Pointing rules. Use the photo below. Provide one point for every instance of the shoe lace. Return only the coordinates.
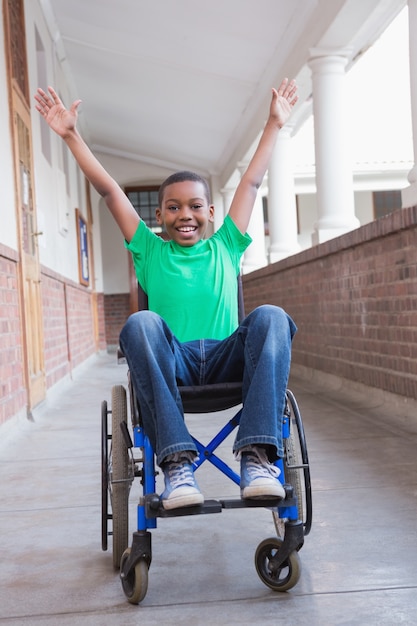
(258, 466)
(179, 474)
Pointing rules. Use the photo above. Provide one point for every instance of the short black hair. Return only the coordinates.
(180, 177)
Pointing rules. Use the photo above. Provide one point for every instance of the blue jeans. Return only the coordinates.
(257, 353)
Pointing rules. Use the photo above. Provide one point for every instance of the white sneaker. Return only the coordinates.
(259, 477)
(181, 488)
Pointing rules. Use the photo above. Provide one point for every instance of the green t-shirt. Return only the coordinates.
(194, 289)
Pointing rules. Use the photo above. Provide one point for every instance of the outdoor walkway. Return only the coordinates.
(359, 563)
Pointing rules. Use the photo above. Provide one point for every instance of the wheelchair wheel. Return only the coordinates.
(104, 475)
(297, 469)
(135, 585)
(119, 473)
(281, 578)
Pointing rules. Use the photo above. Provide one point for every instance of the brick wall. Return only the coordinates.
(69, 335)
(69, 329)
(12, 384)
(116, 312)
(57, 350)
(80, 322)
(102, 344)
(354, 300)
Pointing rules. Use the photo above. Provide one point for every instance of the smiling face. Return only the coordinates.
(185, 212)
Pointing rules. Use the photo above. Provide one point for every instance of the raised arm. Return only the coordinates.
(63, 122)
(283, 100)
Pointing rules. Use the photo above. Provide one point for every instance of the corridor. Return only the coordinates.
(359, 563)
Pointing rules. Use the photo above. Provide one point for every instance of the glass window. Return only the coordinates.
(385, 202)
(145, 201)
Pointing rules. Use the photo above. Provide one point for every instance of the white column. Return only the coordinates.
(282, 209)
(227, 195)
(409, 194)
(334, 178)
(255, 255)
(218, 202)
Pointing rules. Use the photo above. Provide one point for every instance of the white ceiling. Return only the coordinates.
(185, 84)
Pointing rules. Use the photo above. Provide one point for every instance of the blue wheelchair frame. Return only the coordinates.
(276, 559)
(146, 519)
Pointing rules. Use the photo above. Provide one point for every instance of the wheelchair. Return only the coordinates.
(126, 454)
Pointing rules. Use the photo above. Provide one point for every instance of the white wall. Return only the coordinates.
(364, 209)
(59, 187)
(97, 244)
(307, 217)
(114, 255)
(8, 227)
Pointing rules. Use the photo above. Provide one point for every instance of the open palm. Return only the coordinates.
(60, 119)
(283, 101)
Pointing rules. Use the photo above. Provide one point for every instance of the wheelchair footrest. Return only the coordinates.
(155, 509)
(209, 506)
(266, 503)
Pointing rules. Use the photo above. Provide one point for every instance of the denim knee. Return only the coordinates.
(269, 316)
(143, 324)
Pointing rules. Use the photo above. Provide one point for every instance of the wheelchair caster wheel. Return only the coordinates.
(278, 578)
(135, 584)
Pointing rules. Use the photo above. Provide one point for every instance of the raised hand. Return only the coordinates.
(60, 119)
(283, 100)
(63, 122)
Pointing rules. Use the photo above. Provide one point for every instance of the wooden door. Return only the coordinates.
(30, 268)
(31, 309)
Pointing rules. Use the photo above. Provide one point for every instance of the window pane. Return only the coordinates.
(385, 202)
(145, 201)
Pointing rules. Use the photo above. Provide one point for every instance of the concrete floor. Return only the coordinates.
(359, 563)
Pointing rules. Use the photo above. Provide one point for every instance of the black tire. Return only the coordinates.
(119, 488)
(104, 475)
(297, 455)
(278, 579)
(135, 585)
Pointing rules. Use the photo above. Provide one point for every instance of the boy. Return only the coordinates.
(190, 334)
